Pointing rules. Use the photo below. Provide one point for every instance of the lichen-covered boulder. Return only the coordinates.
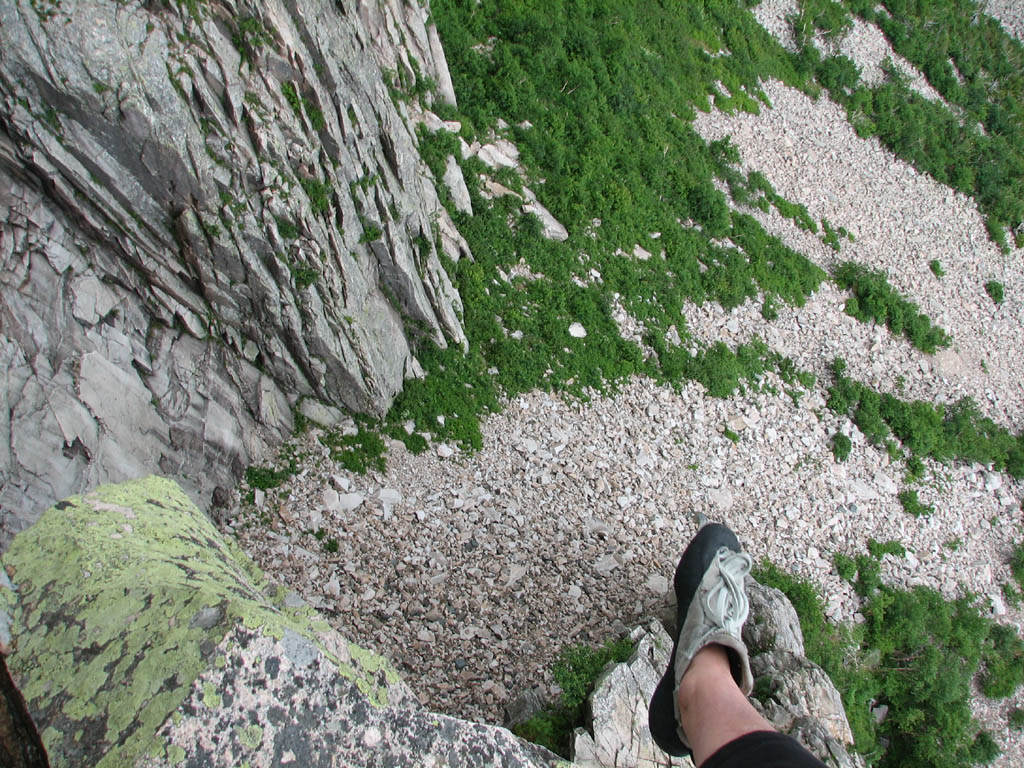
(140, 636)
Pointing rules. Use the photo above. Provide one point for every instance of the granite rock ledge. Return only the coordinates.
(141, 637)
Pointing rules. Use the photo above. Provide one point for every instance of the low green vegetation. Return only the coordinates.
(266, 477)
(319, 193)
(994, 289)
(841, 446)
(575, 671)
(330, 543)
(250, 36)
(936, 267)
(941, 432)
(1016, 719)
(300, 104)
(874, 300)
(357, 452)
(975, 141)
(304, 276)
(912, 505)
(916, 654)
(286, 228)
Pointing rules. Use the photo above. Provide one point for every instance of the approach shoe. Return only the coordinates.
(712, 606)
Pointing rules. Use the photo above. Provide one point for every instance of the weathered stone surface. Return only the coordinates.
(800, 699)
(456, 183)
(620, 735)
(794, 693)
(773, 624)
(142, 637)
(212, 220)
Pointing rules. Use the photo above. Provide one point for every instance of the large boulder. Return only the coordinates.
(208, 211)
(140, 636)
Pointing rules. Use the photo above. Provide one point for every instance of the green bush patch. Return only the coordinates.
(994, 289)
(941, 432)
(874, 300)
(912, 505)
(916, 653)
(841, 446)
(575, 671)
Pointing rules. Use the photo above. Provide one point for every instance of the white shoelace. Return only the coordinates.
(726, 602)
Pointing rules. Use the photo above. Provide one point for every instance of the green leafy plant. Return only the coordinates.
(319, 193)
(300, 104)
(304, 276)
(917, 653)
(575, 671)
(912, 505)
(841, 446)
(891, 547)
(1016, 719)
(876, 301)
(286, 229)
(250, 36)
(359, 452)
(936, 268)
(941, 432)
(994, 289)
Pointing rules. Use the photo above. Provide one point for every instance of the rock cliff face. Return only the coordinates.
(210, 210)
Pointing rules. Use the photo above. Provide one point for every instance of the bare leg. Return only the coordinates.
(712, 708)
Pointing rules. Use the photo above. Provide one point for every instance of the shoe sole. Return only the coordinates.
(661, 713)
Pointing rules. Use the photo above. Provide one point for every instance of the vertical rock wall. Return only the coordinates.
(208, 210)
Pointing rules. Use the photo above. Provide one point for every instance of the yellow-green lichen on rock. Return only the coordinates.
(121, 599)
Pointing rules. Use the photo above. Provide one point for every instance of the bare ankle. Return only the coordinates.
(710, 667)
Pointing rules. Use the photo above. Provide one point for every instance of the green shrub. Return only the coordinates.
(359, 452)
(956, 431)
(300, 103)
(249, 37)
(974, 65)
(911, 504)
(319, 193)
(874, 300)
(266, 477)
(575, 671)
(1017, 564)
(286, 229)
(1016, 718)
(917, 653)
(846, 567)
(994, 289)
(936, 268)
(304, 276)
(841, 446)
(879, 548)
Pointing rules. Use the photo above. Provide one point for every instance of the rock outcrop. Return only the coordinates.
(800, 700)
(210, 210)
(140, 636)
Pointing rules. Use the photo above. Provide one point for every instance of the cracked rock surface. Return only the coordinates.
(206, 216)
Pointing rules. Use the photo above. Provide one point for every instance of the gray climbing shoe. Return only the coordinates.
(712, 606)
